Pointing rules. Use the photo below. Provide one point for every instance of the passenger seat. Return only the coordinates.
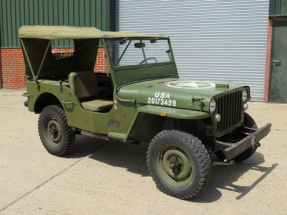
(85, 86)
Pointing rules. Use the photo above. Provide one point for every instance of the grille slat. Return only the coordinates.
(222, 110)
(234, 107)
(229, 107)
(229, 110)
(226, 112)
(239, 106)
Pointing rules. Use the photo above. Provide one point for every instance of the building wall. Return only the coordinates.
(16, 13)
(12, 67)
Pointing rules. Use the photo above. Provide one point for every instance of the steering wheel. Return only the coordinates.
(149, 59)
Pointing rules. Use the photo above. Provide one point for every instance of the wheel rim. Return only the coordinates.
(174, 165)
(52, 131)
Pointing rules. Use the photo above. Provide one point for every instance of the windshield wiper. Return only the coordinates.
(123, 53)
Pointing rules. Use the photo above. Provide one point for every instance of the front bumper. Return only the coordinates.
(231, 150)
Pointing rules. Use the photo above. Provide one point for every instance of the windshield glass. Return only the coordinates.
(129, 52)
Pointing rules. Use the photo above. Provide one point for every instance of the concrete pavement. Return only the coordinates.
(112, 178)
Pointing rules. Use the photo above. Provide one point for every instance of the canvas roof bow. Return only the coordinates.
(71, 32)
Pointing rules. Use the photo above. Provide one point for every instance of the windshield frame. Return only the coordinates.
(143, 65)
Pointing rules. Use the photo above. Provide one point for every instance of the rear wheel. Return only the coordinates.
(57, 137)
(250, 123)
(179, 163)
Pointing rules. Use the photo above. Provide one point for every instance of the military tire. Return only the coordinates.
(250, 123)
(178, 163)
(57, 137)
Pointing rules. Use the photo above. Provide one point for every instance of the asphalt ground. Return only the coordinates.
(99, 177)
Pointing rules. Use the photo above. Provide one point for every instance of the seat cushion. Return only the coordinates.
(97, 105)
(84, 84)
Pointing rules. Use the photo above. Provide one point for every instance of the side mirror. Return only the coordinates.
(139, 45)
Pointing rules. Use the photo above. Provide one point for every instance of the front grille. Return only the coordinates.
(230, 109)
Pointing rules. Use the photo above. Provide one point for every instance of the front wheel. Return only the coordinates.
(178, 163)
(56, 135)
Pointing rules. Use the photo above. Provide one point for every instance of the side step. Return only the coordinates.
(112, 136)
(116, 135)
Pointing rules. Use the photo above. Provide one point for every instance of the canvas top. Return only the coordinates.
(72, 32)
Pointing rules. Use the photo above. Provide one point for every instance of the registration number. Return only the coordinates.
(161, 99)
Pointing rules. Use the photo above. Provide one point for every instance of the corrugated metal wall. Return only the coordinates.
(223, 41)
(15, 13)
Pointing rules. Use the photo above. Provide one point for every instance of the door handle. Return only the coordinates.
(276, 63)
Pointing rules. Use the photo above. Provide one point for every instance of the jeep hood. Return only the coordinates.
(174, 92)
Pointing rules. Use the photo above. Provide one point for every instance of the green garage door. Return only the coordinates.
(278, 77)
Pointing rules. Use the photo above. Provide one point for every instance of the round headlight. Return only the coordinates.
(244, 95)
(212, 105)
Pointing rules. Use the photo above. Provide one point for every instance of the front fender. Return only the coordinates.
(173, 112)
(170, 112)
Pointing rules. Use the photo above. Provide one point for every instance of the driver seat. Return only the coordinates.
(85, 87)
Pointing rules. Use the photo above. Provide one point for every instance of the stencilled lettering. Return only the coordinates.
(161, 99)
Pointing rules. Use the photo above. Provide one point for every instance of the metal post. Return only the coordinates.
(143, 52)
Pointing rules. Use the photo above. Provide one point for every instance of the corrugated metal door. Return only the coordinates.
(223, 41)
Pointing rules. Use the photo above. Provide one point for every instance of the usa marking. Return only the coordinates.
(161, 99)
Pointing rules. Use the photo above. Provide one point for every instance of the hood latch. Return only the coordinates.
(193, 99)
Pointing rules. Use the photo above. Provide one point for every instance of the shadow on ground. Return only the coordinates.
(85, 145)
(133, 159)
(129, 156)
(224, 176)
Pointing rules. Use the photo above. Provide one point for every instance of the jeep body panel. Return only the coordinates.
(114, 121)
(173, 112)
(175, 93)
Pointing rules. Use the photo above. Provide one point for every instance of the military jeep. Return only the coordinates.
(140, 99)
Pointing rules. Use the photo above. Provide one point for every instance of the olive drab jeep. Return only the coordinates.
(140, 99)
